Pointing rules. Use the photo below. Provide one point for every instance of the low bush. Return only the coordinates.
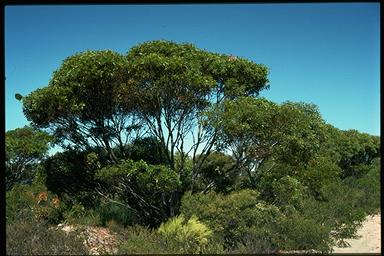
(33, 201)
(236, 217)
(114, 212)
(189, 236)
(72, 172)
(300, 233)
(288, 191)
(149, 190)
(337, 210)
(78, 214)
(34, 237)
(141, 240)
(369, 184)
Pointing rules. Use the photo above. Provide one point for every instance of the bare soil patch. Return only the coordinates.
(369, 240)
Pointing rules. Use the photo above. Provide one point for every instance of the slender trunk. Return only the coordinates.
(111, 155)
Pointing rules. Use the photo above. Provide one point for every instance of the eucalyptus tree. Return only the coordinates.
(103, 99)
(351, 150)
(81, 105)
(261, 134)
(174, 83)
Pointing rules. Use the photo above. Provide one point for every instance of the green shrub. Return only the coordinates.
(72, 172)
(369, 184)
(338, 210)
(288, 191)
(118, 213)
(231, 217)
(300, 233)
(20, 201)
(190, 236)
(78, 214)
(148, 149)
(141, 240)
(216, 173)
(34, 237)
(150, 190)
(33, 201)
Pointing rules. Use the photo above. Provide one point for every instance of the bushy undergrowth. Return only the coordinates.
(298, 232)
(236, 218)
(285, 212)
(369, 185)
(238, 222)
(33, 202)
(190, 236)
(78, 214)
(32, 237)
(174, 237)
(116, 213)
(338, 210)
(246, 224)
(72, 173)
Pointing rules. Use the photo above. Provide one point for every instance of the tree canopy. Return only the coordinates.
(23, 148)
(174, 83)
(161, 87)
(81, 104)
(256, 130)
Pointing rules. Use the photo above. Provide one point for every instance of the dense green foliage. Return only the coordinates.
(24, 148)
(148, 190)
(82, 105)
(158, 243)
(235, 217)
(192, 235)
(71, 175)
(216, 173)
(170, 147)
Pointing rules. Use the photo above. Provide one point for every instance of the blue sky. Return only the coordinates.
(326, 54)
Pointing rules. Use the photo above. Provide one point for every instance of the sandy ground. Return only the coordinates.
(370, 238)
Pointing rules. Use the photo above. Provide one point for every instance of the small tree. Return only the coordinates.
(260, 133)
(147, 190)
(24, 148)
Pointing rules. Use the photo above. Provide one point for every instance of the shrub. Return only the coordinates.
(24, 149)
(78, 214)
(338, 210)
(114, 212)
(33, 201)
(148, 149)
(299, 233)
(34, 237)
(288, 191)
(369, 185)
(189, 236)
(72, 172)
(20, 201)
(231, 217)
(216, 173)
(150, 190)
(141, 240)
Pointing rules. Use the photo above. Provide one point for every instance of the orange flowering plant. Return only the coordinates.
(47, 206)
